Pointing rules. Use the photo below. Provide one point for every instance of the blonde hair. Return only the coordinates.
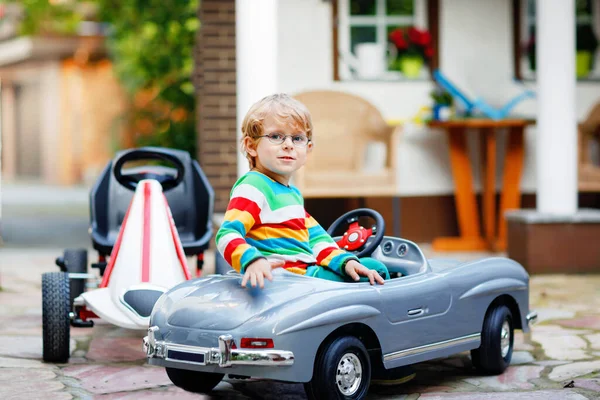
(279, 105)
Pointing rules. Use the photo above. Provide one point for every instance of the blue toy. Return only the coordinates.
(479, 104)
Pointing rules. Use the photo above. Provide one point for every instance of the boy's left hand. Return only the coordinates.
(353, 269)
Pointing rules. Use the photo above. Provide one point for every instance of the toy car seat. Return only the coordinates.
(190, 197)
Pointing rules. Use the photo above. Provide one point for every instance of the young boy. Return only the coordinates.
(266, 225)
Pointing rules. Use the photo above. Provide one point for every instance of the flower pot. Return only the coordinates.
(441, 112)
(411, 66)
(583, 63)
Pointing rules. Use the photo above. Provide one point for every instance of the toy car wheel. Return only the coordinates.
(76, 262)
(342, 371)
(497, 337)
(55, 317)
(194, 381)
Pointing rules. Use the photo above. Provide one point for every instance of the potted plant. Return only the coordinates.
(442, 104)
(585, 45)
(411, 49)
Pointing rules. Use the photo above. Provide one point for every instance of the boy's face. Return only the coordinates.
(279, 161)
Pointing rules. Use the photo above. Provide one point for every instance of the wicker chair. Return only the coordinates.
(350, 138)
(588, 135)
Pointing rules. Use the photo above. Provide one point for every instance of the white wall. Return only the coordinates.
(475, 52)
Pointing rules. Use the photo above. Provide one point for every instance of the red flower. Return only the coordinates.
(414, 35)
(425, 38)
(397, 37)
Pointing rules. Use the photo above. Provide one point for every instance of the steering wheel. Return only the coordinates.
(356, 236)
(130, 181)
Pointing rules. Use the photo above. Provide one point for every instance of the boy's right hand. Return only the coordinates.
(259, 270)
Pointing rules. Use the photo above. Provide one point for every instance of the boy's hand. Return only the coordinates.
(259, 270)
(353, 269)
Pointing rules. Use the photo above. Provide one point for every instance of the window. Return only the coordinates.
(385, 39)
(587, 63)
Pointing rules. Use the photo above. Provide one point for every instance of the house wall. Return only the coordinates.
(215, 80)
(475, 52)
(60, 120)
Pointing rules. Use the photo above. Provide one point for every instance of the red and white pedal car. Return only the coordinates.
(145, 221)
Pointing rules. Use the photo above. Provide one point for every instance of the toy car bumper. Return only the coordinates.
(532, 318)
(224, 356)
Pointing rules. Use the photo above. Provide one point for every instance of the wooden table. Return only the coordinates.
(471, 236)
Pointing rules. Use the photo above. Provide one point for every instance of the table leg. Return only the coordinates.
(466, 204)
(511, 183)
(488, 153)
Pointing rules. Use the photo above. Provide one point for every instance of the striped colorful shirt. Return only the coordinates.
(266, 219)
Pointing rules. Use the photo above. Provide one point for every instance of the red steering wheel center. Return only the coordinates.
(355, 237)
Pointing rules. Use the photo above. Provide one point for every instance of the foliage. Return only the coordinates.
(47, 17)
(441, 97)
(151, 43)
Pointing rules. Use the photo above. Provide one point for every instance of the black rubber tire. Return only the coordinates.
(56, 330)
(323, 384)
(487, 359)
(194, 381)
(76, 261)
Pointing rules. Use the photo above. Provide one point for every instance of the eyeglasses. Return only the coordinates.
(278, 138)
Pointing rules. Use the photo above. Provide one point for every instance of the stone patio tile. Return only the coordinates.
(561, 346)
(43, 390)
(7, 362)
(513, 378)
(594, 340)
(101, 379)
(23, 347)
(25, 375)
(115, 349)
(550, 363)
(523, 342)
(30, 383)
(556, 330)
(521, 357)
(538, 395)
(572, 370)
(589, 384)
(585, 322)
(548, 314)
(169, 393)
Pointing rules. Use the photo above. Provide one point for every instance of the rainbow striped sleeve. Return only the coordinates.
(325, 250)
(243, 212)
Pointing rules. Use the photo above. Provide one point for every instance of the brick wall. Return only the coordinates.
(215, 81)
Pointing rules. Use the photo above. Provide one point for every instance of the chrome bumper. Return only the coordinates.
(223, 356)
(532, 318)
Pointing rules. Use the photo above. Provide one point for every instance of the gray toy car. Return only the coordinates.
(334, 336)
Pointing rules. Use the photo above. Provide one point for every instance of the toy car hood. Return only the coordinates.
(221, 303)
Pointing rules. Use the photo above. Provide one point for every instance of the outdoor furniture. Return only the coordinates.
(589, 163)
(471, 237)
(354, 153)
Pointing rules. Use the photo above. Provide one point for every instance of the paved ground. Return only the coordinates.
(107, 362)
(559, 360)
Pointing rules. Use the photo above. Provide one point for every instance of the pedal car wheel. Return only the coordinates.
(76, 262)
(342, 371)
(55, 317)
(194, 381)
(497, 337)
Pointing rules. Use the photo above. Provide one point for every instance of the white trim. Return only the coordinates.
(380, 21)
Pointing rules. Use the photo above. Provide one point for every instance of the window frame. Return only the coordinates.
(517, 32)
(433, 19)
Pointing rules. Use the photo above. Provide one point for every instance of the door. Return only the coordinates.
(417, 308)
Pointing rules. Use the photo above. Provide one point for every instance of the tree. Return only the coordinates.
(151, 45)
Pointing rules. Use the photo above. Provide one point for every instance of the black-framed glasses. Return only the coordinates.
(299, 139)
